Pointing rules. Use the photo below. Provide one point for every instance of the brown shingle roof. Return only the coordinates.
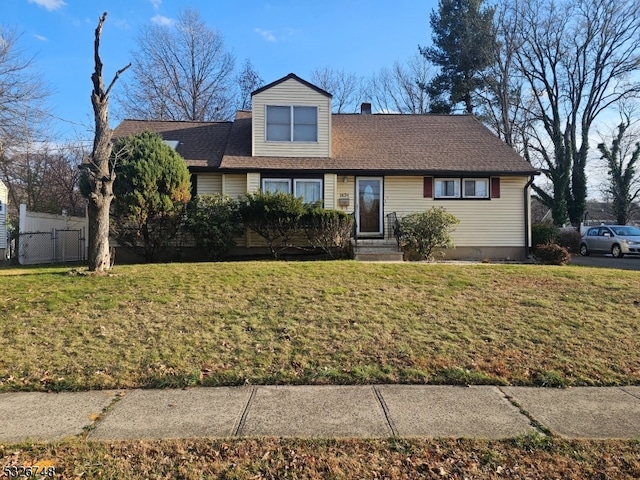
(201, 144)
(455, 144)
(393, 143)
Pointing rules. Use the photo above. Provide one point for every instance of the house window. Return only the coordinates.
(309, 189)
(292, 124)
(276, 185)
(447, 188)
(475, 188)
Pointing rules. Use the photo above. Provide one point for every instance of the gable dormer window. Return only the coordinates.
(291, 124)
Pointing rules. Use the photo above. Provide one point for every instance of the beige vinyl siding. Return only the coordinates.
(291, 92)
(346, 190)
(330, 186)
(496, 222)
(253, 182)
(209, 183)
(234, 184)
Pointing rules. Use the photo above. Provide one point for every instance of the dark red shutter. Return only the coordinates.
(427, 190)
(495, 187)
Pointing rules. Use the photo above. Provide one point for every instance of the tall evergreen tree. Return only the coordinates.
(463, 38)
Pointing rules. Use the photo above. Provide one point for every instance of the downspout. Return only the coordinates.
(527, 252)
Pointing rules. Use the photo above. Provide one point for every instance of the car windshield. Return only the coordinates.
(626, 231)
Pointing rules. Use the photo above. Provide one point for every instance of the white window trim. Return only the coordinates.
(487, 186)
(291, 124)
(435, 192)
(264, 180)
(317, 180)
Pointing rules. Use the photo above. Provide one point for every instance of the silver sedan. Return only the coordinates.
(618, 240)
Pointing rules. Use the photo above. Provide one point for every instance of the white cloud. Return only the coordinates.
(40, 37)
(156, 3)
(49, 4)
(160, 20)
(266, 34)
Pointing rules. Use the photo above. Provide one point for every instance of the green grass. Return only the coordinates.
(318, 323)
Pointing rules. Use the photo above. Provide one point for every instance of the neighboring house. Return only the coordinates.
(371, 165)
(4, 199)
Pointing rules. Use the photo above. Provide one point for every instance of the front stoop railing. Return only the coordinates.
(385, 248)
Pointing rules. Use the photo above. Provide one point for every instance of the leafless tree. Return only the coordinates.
(620, 151)
(578, 58)
(248, 80)
(44, 176)
(180, 72)
(346, 88)
(22, 92)
(403, 88)
(99, 172)
(506, 103)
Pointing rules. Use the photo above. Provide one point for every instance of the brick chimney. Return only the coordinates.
(365, 108)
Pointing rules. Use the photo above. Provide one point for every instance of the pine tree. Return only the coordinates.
(463, 37)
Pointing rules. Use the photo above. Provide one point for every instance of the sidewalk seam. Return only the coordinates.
(245, 412)
(385, 410)
(88, 429)
(628, 393)
(535, 423)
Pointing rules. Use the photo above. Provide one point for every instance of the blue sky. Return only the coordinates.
(279, 36)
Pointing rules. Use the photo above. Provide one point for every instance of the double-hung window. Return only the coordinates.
(447, 188)
(291, 124)
(276, 185)
(475, 188)
(309, 189)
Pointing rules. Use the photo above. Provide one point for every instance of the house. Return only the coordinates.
(376, 166)
(4, 199)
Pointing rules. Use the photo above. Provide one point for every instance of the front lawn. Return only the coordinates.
(318, 323)
(529, 457)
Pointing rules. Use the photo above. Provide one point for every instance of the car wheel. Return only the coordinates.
(616, 252)
(584, 251)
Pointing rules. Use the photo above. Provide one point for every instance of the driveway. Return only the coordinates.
(607, 261)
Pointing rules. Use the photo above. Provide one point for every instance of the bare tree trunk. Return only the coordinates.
(101, 172)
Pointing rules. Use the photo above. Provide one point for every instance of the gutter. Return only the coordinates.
(527, 252)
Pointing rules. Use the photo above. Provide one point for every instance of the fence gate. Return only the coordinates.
(56, 246)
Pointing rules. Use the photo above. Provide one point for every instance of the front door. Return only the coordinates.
(369, 206)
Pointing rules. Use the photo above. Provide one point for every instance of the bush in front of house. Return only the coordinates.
(543, 233)
(570, 239)
(329, 230)
(276, 217)
(428, 231)
(214, 222)
(151, 189)
(552, 254)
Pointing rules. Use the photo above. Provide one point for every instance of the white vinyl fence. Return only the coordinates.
(49, 238)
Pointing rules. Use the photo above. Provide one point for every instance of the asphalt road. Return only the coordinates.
(607, 261)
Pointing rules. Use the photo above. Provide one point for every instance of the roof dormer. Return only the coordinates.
(291, 118)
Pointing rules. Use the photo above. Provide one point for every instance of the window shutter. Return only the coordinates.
(495, 187)
(194, 185)
(427, 189)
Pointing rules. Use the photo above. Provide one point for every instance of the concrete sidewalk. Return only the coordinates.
(322, 411)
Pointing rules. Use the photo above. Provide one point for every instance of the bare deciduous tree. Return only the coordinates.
(403, 88)
(180, 72)
(578, 58)
(621, 158)
(44, 176)
(248, 80)
(346, 88)
(505, 103)
(22, 92)
(99, 173)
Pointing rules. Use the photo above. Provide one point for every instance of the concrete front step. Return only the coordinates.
(379, 256)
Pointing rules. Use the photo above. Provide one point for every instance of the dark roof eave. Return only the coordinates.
(389, 172)
(294, 77)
